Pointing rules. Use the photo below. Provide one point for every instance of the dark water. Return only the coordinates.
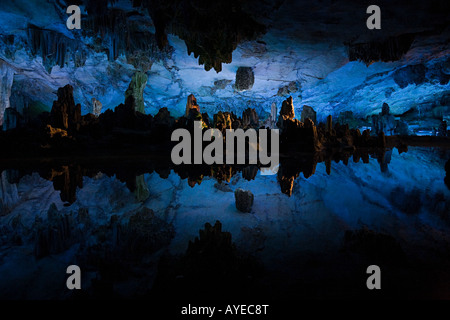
(313, 230)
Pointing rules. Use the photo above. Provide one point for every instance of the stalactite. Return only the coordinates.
(6, 81)
(391, 49)
(54, 47)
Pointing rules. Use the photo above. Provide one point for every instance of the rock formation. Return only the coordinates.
(223, 121)
(308, 113)
(442, 130)
(447, 174)
(244, 200)
(6, 81)
(136, 89)
(287, 112)
(10, 119)
(244, 78)
(96, 107)
(412, 74)
(288, 89)
(383, 122)
(250, 119)
(9, 195)
(65, 114)
(191, 104)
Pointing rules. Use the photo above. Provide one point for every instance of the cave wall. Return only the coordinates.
(331, 76)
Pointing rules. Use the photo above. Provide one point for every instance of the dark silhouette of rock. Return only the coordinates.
(384, 121)
(442, 130)
(144, 234)
(390, 49)
(65, 114)
(447, 173)
(53, 235)
(412, 74)
(373, 245)
(250, 118)
(329, 124)
(11, 119)
(244, 200)
(308, 113)
(163, 118)
(244, 78)
(401, 128)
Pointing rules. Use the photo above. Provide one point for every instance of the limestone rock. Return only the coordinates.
(308, 113)
(191, 104)
(221, 84)
(287, 112)
(384, 121)
(223, 120)
(288, 89)
(401, 128)
(412, 74)
(136, 89)
(244, 78)
(442, 130)
(10, 119)
(250, 118)
(329, 123)
(163, 118)
(96, 107)
(65, 114)
(244, 200)
(6, 81)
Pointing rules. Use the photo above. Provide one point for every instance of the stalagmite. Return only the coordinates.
(136, 89)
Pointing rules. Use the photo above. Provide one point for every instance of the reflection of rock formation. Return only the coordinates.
(142, 193)
(66, 179)
(376, 246)
(390, 49)
(244, 200)
(211, 259)
(54, 235)
(8, 194)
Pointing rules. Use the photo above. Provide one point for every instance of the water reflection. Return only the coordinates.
(67, 174)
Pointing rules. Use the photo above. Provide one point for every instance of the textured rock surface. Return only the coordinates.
(136, 90)
(308, 113)
(245, 78)
(65, 114)
(244, 200)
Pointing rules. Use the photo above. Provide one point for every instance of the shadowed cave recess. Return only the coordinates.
(86, 118)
